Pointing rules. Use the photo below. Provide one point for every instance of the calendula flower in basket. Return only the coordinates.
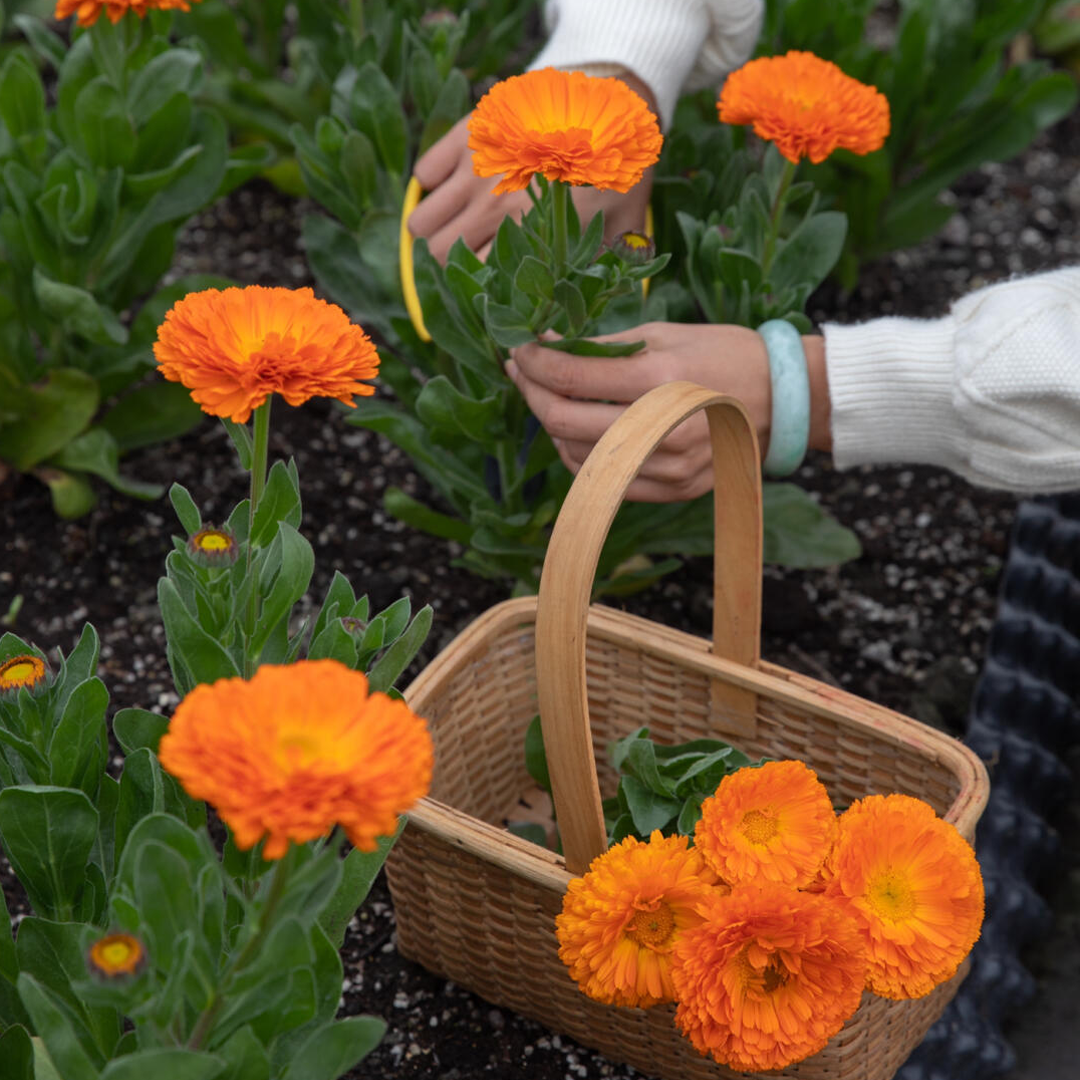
(804, 913)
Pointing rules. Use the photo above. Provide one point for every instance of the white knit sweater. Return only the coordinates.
(991, 391)
(671, 45)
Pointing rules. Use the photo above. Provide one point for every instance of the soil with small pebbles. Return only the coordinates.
(904, 625)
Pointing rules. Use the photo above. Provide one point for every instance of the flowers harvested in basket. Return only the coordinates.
(89, 11)
(806, 106)
(768, 976)
(797, 913)
(233, 348)
(914, 886)
(621, 921)
(566, 126)
(297, 749)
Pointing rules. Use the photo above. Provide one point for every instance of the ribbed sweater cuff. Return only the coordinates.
(657, 42)
(892, 403)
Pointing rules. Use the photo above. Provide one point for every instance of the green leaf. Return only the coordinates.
(377, 112)
(588, 347)
(450, 106)
(186, 510)
(175, 71)
(359, 871)
(534, 279)
(17, 1055)
(798, 533)
(648, 809)
(245, 1057)
(397, 658)
(47, 834)
(78, 735)
(50, 414)
(72, 495)
(442, 407)
(200, 655)
(174, 1064)
(809, 255)
(536, 756)
(505, 325)
(568, 296)
(50, 1022)
(95, 451)
(45, 43)
(331, 1051)
(280, 503)
(77, 311)
(104, 124)
(151, 414)
(297, 562)
(405, 508)
(22, 97)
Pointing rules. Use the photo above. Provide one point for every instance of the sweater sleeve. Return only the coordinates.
(991, 391)
(671, 45)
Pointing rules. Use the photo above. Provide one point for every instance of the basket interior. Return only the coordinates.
(480, 701)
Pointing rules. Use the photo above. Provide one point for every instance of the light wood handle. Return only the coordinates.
(570, 567)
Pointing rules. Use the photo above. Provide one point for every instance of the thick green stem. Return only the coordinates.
(559, 195)
(281, 874)
(259, 453)
(356, 19)
(774, 219)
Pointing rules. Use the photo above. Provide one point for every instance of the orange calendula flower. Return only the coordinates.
(89, 11)
(566, 126)
(233, 348)
(620, 922)
(805, 105)
(768, 976)
(23, 670)
(115, 956)
(296, 750)
(914, 885)
(770, 823)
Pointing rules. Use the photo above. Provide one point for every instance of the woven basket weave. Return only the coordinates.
(477, 905)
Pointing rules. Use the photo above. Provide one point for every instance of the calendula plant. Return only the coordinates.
(958, 100)
(148, 947)
(94, 184)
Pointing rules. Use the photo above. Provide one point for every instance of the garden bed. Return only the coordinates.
(905, 625)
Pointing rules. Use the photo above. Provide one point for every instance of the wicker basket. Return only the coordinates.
(477, 905)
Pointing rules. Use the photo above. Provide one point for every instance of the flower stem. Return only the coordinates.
(356, 18)
(558, 226)
(281, 873)
(774, 219)
(259, 453)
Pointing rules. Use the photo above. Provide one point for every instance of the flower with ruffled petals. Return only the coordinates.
(805, 105)
(233, 348)
(566, 126)
(620, 922)
(768, 976)
(89, 11)
(769, 823)
(296, 750)
(912, 882)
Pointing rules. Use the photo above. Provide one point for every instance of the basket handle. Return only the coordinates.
(570, 567)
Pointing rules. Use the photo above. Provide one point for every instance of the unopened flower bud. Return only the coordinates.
(635, 248)
(213, 547)
(116, 956)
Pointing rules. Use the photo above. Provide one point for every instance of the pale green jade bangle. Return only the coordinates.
(790, 429)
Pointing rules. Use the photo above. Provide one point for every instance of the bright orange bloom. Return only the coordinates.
(565, 125)
(768, 976)
(296, 750)
(23, 670)
(233, 348)
(90, 10)
(805, 105)
(912, 882)
(620, 922)
(770, 823)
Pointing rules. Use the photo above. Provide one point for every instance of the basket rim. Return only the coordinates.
(533, 863)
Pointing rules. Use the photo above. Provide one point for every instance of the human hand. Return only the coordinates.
(460, 203)
(577, 398)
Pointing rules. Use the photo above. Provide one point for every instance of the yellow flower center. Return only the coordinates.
(117, 954)
(759, 827)
(772, 977)
(652, 925)
(891, 896)
(635, 240)
(21, 671)
(212, 540)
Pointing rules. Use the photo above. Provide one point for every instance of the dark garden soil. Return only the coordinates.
(904, 625)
